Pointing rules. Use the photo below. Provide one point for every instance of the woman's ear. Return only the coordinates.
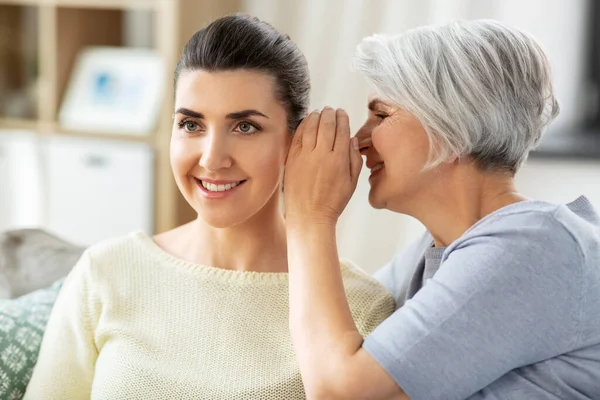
(288, 145)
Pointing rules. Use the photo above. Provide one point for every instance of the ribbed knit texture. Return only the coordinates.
(134, 322)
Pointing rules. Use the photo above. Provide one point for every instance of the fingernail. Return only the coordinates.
(354, 142)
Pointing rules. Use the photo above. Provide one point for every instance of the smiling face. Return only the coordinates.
(228, 144)
(397, 148)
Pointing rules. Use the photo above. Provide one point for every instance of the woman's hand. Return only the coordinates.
(322, 169)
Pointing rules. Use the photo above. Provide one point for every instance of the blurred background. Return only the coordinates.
(86, 104)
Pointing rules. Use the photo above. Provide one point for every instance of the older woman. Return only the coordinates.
(504, 298)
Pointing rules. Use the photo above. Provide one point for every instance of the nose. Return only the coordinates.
(364, 138)
(215, 152)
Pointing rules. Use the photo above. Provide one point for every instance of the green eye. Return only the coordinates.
(191, 126)
(246, 128)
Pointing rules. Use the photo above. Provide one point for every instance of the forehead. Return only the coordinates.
(237, 89)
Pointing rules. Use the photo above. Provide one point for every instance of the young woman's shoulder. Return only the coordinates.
(370, 302)
(111, 257)
(117, 248)
(357, 279)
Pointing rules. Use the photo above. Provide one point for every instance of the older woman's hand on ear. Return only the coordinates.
(321, 174)
(322, 169)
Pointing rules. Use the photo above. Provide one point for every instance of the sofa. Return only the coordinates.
(33, 264)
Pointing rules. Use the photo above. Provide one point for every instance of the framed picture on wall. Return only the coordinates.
(114, 90)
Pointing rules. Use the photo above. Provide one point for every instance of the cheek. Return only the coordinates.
(181, 156)
(267, 160)
(398, 146)
(386, 143)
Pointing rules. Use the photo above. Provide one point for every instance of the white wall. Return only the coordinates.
(561, 28)
(560, 181)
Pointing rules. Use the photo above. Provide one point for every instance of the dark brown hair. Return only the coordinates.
(239, 41)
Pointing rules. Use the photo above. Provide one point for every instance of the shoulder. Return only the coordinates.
(525, 250)
(534, 229)
(396, 274)
(370, 302)
(116, 246)
(358, 282)
(111, 256)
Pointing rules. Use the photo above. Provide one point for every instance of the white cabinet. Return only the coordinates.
(5, 203)
(97, 189)
(21, 185)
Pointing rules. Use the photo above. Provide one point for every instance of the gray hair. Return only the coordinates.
(480, 88)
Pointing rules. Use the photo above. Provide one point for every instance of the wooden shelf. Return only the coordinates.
(57, 130)
(18, 124)
(19, 49)
(20, 2)
(64, 28)
(95, 28)
(93, 4)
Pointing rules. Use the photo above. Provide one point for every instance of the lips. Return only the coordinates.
(219, 187)
(212, 189)
(376, 170)
(377, 167)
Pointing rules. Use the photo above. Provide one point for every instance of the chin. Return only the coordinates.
(218, 221)
(376, 202)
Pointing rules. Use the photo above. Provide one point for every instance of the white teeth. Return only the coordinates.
(377, 167)
(218, 188)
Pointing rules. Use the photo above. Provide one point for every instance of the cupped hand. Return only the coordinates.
(322, 169)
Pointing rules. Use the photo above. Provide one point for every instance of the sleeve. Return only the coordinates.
(65, 366)
(396, 274)
(498, 302)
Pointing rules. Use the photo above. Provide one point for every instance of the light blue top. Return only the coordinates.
(510, 310)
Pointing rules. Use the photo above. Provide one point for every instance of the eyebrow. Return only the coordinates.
(233, 115)
(374, 103)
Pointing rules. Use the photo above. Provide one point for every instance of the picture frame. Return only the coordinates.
(114, 90)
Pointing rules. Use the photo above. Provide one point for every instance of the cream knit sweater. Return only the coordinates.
(134, 322)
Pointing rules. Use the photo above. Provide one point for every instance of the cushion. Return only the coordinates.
(32, 259)
(22, 324)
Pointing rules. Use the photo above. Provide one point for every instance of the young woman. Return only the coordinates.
(202, 311)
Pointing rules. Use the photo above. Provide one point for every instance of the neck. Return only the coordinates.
(460, 197)
(258, 244)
